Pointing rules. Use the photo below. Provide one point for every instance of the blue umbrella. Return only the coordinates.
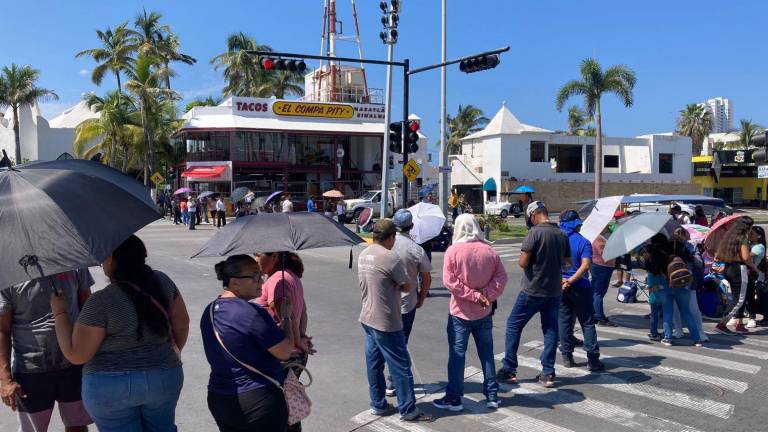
(425, 190)
(524, 189)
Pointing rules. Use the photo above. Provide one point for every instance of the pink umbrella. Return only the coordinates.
(182, 191)
(333, 194)
(698, 233)
(718, 230)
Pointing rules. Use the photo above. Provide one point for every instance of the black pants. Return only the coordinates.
(176, 216)
(221, 218)
(263, 409)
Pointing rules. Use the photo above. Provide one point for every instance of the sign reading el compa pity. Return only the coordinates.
(260, 107)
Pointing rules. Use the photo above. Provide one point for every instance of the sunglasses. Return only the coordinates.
(256, 277)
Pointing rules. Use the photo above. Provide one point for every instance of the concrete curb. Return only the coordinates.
(508, 241)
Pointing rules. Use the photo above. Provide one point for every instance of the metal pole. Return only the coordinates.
(405, 130)
(443, 176)
(385, 144)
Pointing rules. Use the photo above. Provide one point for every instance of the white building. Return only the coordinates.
(510, 150)
(42, 139)
(721, 110)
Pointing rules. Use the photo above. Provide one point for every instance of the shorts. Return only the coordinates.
(43, 390)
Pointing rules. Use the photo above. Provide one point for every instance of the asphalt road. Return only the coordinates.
(719, 387)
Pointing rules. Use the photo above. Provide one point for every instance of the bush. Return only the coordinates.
(503, 226)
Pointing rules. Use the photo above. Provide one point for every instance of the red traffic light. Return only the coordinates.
(413, 126)
(267, 63)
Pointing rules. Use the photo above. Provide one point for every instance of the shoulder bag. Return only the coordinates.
(299, 404)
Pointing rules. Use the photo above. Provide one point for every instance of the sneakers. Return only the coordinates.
(577, 342)
(595, 365)
(506, 377)
(492, 404)
(606, 323)
(722, 329)
(751, 323)
(666, 342)
(449, 404)
(733, 322)
(654, 337)
(568, 360)
(547, 381)
(389, 410)
(740, 328)
(390, 392)
(698, 343)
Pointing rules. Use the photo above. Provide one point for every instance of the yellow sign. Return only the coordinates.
(310, 109)
(157, 178)
(411, 170)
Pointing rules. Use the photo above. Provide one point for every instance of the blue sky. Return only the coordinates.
(682, 51)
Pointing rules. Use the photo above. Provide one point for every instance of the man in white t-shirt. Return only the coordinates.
(192, 209)
(287, 204)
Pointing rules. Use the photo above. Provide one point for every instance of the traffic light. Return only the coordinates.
(395, 137)
(412, 136)
(476, 64)
(276, 64)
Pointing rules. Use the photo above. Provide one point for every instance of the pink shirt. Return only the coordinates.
(471, 269)
(273, 290)
(598, 246)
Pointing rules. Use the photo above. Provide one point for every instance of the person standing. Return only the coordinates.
(39, 375)
(602, 271)
(577, 298)
(418, 268)
(544, 252)
(192, 209)
(453, 204)
(221, 213)
(677, 214)
(475, 277)
(383, 278)
(699, 218)
(340, 212)
(204, 205)
(176, 211)
(184, 210)
(212, 209)
(735, 252)
(129, 336)
(287, 204)
(311, 205)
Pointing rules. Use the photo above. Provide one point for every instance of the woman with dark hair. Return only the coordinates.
(129, 336)
(699, 218)
(735, 252)
(757, 254)
(237, 332)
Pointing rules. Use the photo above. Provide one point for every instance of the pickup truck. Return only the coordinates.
(503, 209)
(371, 200)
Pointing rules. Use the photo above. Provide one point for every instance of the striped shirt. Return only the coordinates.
(112, 310)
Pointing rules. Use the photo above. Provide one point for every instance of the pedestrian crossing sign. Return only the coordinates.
(411, 170)
(157, 178)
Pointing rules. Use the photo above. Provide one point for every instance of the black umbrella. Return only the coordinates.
(278, 232)
(65, 214)
(239, 194)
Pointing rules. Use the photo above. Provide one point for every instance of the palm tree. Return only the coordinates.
(116, 114)
(593, 84)
(145, 84)
(156, 40)
(114, 55)
(695, 122)
(469, 119)
(577, 119)
(242, 72)
(18, 89)
(749, 131)
(283, 83)
(209, 101)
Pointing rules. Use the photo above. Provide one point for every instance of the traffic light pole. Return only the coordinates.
(385, 143)
(405, 127)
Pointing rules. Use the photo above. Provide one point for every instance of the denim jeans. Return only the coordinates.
(408, 319)
(657, 313)
(389, 347)
(458, 338)
(526, 306)
(693, 308)
(679, 297)
(192, 220)
(133, 401)
(601, 279)
(577, 300)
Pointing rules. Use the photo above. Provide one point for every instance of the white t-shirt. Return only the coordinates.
(192, 206)
(339, 209)
(220, 205)
(287, 206)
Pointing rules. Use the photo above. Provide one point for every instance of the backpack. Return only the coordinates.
(679, 274)
(627, 293)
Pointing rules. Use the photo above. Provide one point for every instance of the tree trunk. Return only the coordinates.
(112, 149)
(16, 133)
(598, 150)
(125, 158)
(167, 77)
(148, 137)
(119, 88)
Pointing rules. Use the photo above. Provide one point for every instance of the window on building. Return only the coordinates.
(665, 163)
(610, 161)
(429, 157)
(590, 159)
(568, 157)
(537, 151)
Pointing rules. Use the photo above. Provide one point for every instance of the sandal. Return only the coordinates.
(420, 417)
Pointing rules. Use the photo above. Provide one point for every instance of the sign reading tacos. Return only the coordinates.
(309, 109)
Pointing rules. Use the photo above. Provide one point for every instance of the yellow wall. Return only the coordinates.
(748, 185)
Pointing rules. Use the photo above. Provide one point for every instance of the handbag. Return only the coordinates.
(171, 337)
(299, 404)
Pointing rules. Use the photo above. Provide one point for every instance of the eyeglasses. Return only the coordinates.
(256, 277)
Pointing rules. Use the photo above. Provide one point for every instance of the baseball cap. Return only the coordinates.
(385, 227)
(403, 220)
(533, 207)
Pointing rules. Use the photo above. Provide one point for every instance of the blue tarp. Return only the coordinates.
(489, 185)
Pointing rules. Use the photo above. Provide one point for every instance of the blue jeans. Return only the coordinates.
(408, 319)
(525, 308)
(458, 338)
(389, 347)
(678, 296)
(133, 401)
(601, 279)
(192, 220)
(577, 300)
(657, 312)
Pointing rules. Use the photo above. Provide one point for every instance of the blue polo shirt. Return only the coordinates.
(580, 248)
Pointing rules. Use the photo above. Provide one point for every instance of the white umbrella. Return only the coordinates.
(600, 216)
(633, 233)
(428, 221)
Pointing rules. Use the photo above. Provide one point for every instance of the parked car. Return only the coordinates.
(371, 200)
(503, 209)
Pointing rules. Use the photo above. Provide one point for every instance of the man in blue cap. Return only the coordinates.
(577, 296)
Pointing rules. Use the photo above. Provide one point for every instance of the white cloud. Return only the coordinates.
(84, 72)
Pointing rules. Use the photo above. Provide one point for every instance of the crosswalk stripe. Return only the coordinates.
(762, 355)
(611, 382)
(372, 422)
(593, 408)
(514, 255)
(633, 363)
(681, 355)
(512, 421)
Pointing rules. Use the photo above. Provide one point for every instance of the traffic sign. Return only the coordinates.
(445, 169)
(157, 178)
(411, 170)
(762, 171)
